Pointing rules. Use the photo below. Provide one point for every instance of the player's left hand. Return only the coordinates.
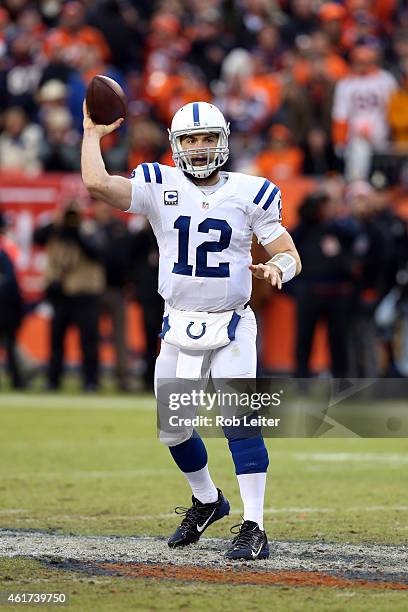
(268, 272)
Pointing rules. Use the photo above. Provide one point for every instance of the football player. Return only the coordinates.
(204, 220)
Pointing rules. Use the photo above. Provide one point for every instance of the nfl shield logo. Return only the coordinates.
(171, 198)
(205, 205)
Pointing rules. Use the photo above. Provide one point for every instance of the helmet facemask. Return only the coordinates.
(215, 156)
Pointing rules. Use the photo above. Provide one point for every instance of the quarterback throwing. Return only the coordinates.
(204, 220)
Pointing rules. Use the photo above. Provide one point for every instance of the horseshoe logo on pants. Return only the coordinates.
(190, 335)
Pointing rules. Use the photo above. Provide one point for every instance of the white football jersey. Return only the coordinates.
(205, 240)
(362, 101)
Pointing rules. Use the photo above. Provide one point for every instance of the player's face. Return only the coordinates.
(199, 143)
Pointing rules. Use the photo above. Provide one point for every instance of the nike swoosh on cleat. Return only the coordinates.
(200, 528)
(254, 555)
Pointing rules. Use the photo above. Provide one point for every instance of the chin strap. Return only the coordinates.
(286, 264)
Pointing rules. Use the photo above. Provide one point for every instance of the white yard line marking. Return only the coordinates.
(87, 474)
(356, 457)
(294, 511)
(165, 515)
(76, 402)
(79, 444)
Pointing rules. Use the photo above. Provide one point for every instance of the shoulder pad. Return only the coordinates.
(264, 193)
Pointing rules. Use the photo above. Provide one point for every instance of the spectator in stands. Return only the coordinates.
(281, 158)
(370, 264)
(398, 113)
(7, 242)
(361, 24)
(270, 47)
(209, 45)
(318, 58)
(56, 69)
(145, 143)
(360, 122)
(392, 307)
(74, 36)
(74, 283)
(296, 109)
(125, 43)
(247, 109)
(20, 73)
(170, 90)
(30, 22)
(60, 150)
(84, 54)
(4, 27)
(117, 261)
(400, 51)
(252, 17)
(391, 317)
(324, 289)
(318, 98)
(145, 265)
(331, 16)
(394, 231)
(52, 94)
(11, 311)
(19, 142)
(263, 83)
(319, 155)
(166, 46)
(302, 21)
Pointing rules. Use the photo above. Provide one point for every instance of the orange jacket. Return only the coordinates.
(279, 164)
(68, 41)
(398, 116)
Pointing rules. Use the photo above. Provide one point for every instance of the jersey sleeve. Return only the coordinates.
(340, 109)
(266, 213)
(140, 192)
(392, 83)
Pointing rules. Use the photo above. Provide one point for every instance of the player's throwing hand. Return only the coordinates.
(100, 130)
(268, 272)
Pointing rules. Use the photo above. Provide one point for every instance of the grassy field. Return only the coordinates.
(93, 465)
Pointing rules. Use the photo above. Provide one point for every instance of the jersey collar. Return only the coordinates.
(210, 201)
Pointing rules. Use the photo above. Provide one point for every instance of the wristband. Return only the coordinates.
(286, 264)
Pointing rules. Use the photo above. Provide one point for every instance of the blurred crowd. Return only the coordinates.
(354, 252)
(95, 266)
(309, 87)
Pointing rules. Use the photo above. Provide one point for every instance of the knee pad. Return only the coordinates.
(170, 438)
(249, 455)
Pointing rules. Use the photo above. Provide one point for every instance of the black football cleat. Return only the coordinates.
(197, 519)
(250, 543)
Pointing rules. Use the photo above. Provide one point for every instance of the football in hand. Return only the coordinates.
(105, 100)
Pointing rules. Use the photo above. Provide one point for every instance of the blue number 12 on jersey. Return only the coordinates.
(182, 266)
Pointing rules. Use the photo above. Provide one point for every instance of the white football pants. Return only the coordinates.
(235, 360)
